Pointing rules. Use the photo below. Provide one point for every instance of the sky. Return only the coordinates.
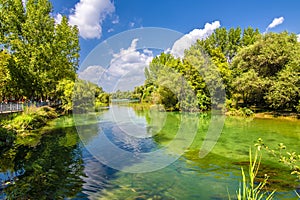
(99, 20)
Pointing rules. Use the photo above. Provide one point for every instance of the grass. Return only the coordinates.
(32, 118)
(248, 189)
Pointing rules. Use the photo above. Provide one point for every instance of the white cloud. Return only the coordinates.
(89, 16)
(58, 18)
(92, 73)
(131, 24)
(126, 69)
(116, 20)
(110, 30)
(189, 39)
(298, 37)
(275, 22)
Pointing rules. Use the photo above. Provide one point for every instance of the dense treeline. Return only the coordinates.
(256, 70)
(38, 58)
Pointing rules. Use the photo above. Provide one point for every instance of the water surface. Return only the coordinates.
(56, 163)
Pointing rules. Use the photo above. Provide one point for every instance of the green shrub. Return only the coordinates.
(6, 138)
(32, 118)
(243, 112)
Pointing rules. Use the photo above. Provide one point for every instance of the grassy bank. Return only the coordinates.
(31, 119)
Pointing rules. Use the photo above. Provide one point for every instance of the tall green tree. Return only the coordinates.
(43, 53)
(5, 77)
(268, 71)
(268, 55)
(250, 36)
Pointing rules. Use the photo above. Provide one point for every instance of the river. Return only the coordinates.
(125, 153)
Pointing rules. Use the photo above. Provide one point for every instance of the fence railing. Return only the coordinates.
(19, 107)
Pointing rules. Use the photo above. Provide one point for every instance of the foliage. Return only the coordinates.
(84, 94)
(266, 74)
(87, 97)
(249, 190)
(175, 84)
(41, 52)
(253, 69)
(122, 95)
(249, 89)
(7, 138)
(32, 118)
(243, 112)
(5, 77)
(291, 159)
(64, 91)
(284, 92)
(298, 107)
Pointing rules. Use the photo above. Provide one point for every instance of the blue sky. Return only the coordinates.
(185, 15)
(122, 67)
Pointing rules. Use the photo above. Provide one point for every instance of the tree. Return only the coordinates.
(64, 91)
(266, 73)
(268, 55)
(4, 74)
(249, 36)
(284, 92)
(66, 50)
(249, 89)
(234, 42)
(43, 53)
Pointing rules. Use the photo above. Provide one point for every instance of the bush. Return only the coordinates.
(243, 112)
(32, 118)
(6, 138)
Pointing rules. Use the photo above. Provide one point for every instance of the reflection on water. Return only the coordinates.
(54, 163)
(50, 169)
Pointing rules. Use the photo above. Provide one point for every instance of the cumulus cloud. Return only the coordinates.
(275, 22)
(92, 73)
(126, 69)
(58, 18)
(116, 20)
(131, 24)
(89, 15)
(189, 39)
(110, 30)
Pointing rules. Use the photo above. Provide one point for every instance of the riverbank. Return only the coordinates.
(242, 112)
(278, 115)
(31, 119)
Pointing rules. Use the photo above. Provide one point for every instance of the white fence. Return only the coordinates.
(18, 107)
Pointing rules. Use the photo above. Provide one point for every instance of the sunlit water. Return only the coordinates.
(61, 165)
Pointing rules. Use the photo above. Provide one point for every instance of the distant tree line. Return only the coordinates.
(256, 70)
